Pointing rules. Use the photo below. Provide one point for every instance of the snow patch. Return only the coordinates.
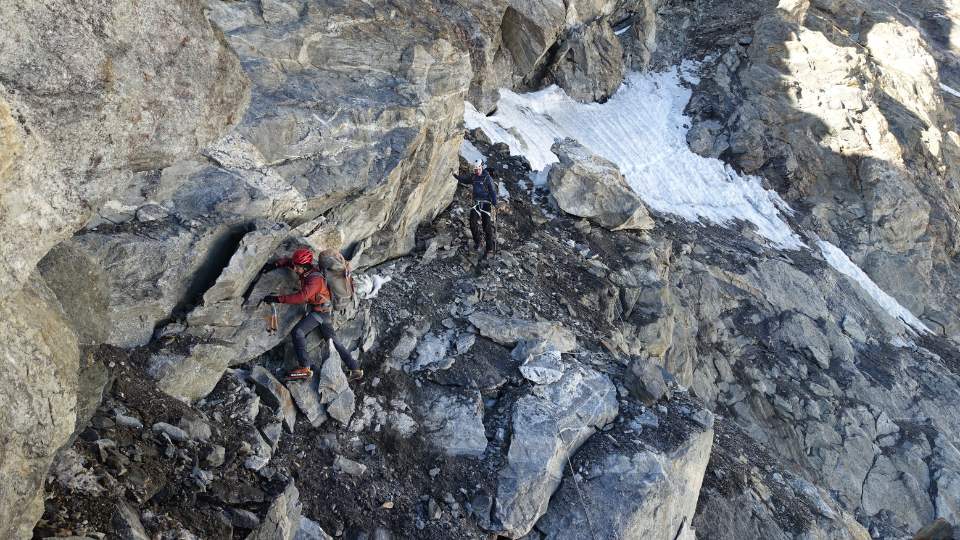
(840, 262)
(470, 152)
(643, 130)
(368, 286)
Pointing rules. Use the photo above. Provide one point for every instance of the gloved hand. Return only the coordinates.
(271, 299)
(269, 267)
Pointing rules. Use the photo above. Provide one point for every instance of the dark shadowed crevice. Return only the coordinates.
(217, 258)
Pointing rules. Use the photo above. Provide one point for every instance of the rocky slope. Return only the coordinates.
(153, 157)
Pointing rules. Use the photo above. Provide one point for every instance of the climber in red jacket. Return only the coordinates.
(314, 293)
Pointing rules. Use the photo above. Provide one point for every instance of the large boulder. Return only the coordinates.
(586, 185)
(507, 331)
(588, 63)
(453, 421)
(117, 282)
(374, 145)
(645, 488)
(39, 359)
(283, 519)
(154, 82)
(548, 426)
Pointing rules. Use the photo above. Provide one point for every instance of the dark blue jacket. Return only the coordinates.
(484, 189)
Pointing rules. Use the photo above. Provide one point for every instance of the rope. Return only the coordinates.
(576, 485)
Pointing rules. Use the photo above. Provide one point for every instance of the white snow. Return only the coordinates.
(642, 129)
(949, 90)
(622, 30)
(839, 261)
(470, 152)
(367, 286)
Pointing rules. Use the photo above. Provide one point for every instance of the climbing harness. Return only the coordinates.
(480, 211)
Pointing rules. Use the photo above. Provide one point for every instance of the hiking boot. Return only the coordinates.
(300, 373)
(355, 375)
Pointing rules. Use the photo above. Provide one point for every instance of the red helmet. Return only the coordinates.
(303, 256)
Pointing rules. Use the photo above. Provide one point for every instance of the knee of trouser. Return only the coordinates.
(298, 333)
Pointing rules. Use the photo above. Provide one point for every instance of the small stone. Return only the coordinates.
(348, 466)
(434, 472)
(388, 505)
(434, 512)
(646, 381)
(128, 421)
(173, 432)
(215, 456)
(196, 428)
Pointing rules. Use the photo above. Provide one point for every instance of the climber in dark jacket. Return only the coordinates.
(315, 293)
(484, 207)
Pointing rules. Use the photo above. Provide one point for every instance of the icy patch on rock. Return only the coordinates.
(642, 129)
(841, 263)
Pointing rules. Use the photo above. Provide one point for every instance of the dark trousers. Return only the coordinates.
(313, 321)
(482, 213)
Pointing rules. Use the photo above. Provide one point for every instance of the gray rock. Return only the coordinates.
(126, 523)
(644, 493)
(549, 425)
(544, 368)
(283, 517)
(511, 331)
(64, 132)
(189, 374)
(310, 530)
(589, 62)
(335, 391)
(242, 519)
(196, 428)
(128, 421)
(274, 394)
(432, 352)
(173, 432)
(646, 381)
(589, 186)
(453, 420)
(306, 394)
(38, 397)
(215, 457)
(348, 466)
(260, 452)
(272, 433)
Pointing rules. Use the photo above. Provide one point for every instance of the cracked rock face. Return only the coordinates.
(154, 83)
(639, 490)
(38, 400)
(549, 425)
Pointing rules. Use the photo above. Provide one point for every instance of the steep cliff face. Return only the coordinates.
(153, 157)
(846, 108)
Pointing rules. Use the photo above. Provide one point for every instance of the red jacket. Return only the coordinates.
(313, 289)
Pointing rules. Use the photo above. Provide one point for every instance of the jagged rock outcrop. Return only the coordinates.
(38, 400)
(645, 488)
(155, 82)
(549, 425)
(588, 64)
(591, 187)
(864, 136)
